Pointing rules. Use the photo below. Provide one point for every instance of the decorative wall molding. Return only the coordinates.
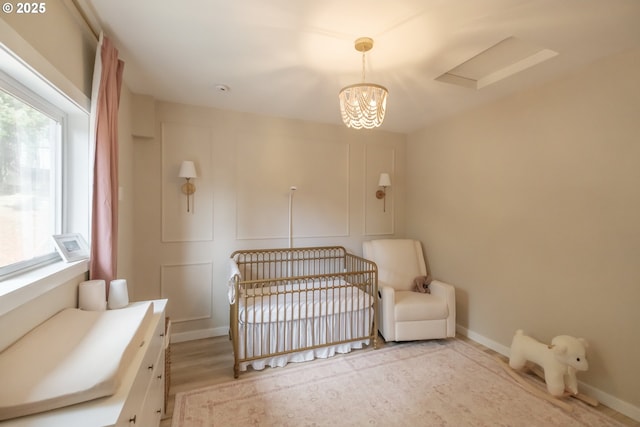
(379, 159)
(188, 287)
(265, 172)
(186, 142)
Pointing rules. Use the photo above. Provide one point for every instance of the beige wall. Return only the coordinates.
(125, 262)
(63, 294)
(57, 43)
(246, 165)
(531, 207)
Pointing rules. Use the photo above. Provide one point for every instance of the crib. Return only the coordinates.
(296, 304)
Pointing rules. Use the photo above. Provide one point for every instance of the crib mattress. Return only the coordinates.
(301, 301)
(73, 357)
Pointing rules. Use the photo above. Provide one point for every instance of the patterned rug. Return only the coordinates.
(431, 383)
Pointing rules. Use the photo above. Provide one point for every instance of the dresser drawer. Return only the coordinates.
(151, 410)
(144, 405)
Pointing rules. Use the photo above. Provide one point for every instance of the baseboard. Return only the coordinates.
(606, 399)
(199, 334)
(612, 402)
(481, 339)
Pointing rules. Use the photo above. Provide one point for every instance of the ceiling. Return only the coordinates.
(290, 58)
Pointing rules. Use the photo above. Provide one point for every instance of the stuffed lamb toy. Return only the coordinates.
(560, 360)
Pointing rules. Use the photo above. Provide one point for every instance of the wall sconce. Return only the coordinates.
(383, 182)
(188, 171)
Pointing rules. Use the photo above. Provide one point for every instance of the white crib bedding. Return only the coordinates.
(73, 357)
(306, 315)
(301, 300)
(255, 340)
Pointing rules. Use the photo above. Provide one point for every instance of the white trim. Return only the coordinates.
(611, 401)
(86, 15)
(481, 339)
(24, 53)
(199, 334)
(606, 399)
(21, 289)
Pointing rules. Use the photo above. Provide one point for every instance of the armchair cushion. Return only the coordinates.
(403, 262)
(413, 306)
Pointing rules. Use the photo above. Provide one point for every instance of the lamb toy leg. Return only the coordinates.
(517, 358)
(560, 360)
(571, 381)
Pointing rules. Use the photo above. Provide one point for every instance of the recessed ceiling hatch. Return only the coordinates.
(503, 59)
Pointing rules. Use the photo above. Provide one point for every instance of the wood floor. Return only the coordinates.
(200, 363)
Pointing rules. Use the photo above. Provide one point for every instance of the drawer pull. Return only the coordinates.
(150, 368)
(159, 377)
(132, 420)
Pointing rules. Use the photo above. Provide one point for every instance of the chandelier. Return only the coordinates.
(363, 105)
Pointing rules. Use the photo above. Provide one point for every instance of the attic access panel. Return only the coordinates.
(504, 59)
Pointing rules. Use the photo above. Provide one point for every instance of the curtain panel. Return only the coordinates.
(107, 83)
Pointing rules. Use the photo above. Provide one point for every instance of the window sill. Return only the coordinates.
(21, 289)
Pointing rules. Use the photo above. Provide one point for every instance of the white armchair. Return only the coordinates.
(403, 313)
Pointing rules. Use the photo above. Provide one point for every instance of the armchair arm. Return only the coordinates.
(448, 293)
(386, 308)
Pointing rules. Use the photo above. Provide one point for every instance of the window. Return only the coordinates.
(44, 168)
(30, 177)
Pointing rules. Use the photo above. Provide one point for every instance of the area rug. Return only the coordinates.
(431, 383)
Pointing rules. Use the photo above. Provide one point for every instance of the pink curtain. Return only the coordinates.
(104, 222)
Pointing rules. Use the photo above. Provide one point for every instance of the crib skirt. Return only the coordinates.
(275, 344)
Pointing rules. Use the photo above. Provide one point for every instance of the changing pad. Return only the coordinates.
(72, 357)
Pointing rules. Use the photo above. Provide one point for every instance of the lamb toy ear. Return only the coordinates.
(560, 349)
(584, 342)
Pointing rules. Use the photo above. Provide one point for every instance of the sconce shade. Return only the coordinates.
(384, 181)
(188, 170)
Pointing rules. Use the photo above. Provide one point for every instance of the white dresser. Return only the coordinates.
(139, 400)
